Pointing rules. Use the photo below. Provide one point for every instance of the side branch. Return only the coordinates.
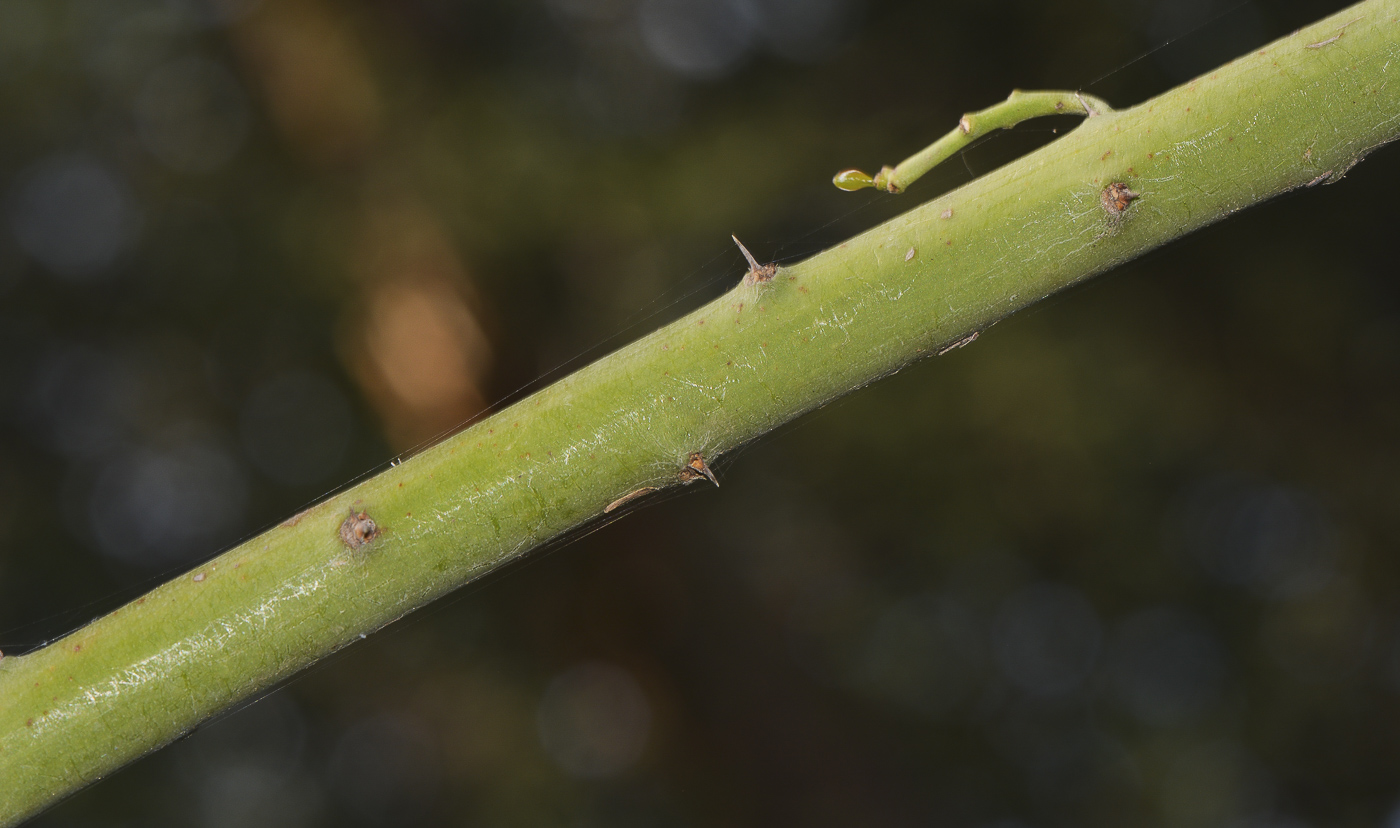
(1020, 106)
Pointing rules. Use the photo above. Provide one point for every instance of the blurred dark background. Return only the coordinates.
(1127, 561)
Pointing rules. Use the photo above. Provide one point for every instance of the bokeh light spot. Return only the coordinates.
(73, 216)
(154, 507)
(594, 720)
(1047, 639)
(82, 399)
(427, 345)
(1270, 539)
(246, 769)
(1166, 666)
(700, 39)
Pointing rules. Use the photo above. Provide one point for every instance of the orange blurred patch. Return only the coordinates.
(426, 344)
(414, 342)
(314, 78)
(410, 336)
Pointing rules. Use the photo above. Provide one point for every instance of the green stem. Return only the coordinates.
(657, 413)
(1019, 106)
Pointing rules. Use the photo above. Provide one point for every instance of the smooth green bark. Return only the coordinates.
(1300, 111)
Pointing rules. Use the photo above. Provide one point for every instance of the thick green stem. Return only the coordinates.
(1298, 112)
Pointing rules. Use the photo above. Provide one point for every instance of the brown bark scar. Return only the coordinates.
(358, 530)
(1116, 197)
(628, 498)
(1341, 30)
(961, 343)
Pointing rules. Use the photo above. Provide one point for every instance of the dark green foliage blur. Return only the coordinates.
(1128, 560)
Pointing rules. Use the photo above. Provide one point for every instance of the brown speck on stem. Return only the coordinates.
(965, 341)
(358, 530)
(1116, 197)
(696, 468)
(628, 498)
(757, 272)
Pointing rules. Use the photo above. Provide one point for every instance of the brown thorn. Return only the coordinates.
(757, 272)
(696, 468)
(1089, 111)
(753, 263)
